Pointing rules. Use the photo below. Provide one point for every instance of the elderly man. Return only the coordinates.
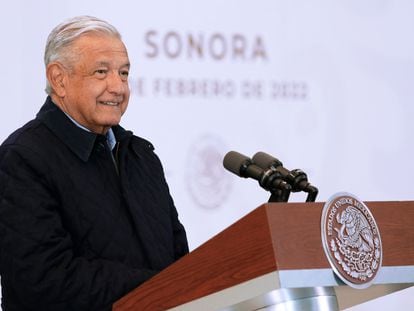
(85, 211)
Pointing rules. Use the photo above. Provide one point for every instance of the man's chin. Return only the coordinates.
(103, 129)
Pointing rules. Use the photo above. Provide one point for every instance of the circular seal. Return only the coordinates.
(351, 240)
(208, 183)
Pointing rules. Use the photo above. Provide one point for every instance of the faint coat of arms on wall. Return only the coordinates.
(351, 240)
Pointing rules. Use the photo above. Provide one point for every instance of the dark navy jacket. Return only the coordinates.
(75, 234)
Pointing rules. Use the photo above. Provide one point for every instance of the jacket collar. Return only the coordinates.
(79, 141)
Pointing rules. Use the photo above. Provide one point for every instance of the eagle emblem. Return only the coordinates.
(351, 240)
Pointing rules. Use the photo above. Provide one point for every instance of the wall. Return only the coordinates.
(325, 87)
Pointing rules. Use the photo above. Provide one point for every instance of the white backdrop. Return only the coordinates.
(324, 86)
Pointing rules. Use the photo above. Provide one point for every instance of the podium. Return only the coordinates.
(274, 256)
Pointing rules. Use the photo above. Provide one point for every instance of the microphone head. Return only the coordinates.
(265, 160)
(236, 163)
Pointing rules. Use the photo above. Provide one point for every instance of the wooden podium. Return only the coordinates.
(274, 255)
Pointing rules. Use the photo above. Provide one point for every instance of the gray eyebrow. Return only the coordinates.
(102, 63)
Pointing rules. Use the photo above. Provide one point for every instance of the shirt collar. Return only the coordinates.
(110, 136)
(80, 141)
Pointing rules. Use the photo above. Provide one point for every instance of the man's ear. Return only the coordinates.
(56, 75)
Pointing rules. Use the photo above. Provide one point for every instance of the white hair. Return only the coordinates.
(64, 34)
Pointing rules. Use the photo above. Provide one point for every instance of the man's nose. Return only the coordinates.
(116, 84)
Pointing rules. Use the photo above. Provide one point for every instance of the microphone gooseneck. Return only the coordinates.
(296, 178)
(270, 174)
(268, 178)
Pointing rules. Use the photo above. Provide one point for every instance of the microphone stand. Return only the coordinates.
(272, 180)
(312, 193)
(299, 182)
(279, 196)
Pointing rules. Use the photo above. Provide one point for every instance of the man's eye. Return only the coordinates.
(101, 72)
(124, 74)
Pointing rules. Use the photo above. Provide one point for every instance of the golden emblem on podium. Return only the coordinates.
(351, 240)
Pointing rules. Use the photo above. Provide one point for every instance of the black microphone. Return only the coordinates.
(243, 166)
(296, 178)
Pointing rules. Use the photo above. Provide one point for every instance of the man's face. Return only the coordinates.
(96, 91)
